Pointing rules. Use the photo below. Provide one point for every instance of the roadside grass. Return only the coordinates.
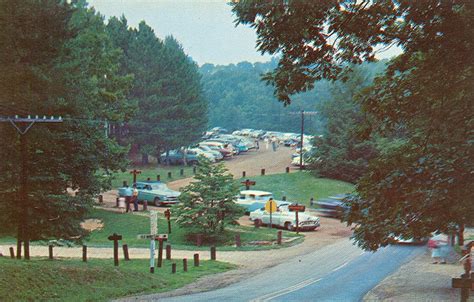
(40, 279)
(300, 186)
(151, 171)
(131, 225)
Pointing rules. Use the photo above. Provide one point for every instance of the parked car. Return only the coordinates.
(177, 157)
(253, 199)
(210, 156)
(224, 149)
(217, 155)
(333, 206)
(285, 218)
(154, 192)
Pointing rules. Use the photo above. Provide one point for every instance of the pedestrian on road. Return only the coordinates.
(257, 145)
(135, 198)
(128, 197)
(267, 142)
(274, 143)
(439, 245)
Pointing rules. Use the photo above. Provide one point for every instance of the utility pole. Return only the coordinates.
(303, 113)
(22, 125)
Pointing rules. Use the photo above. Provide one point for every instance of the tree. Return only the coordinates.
(421, 181)
(167, 89)
(57, 60)
(340, 153)
(207, 205)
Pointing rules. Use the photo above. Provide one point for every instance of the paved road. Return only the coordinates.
(338, 272)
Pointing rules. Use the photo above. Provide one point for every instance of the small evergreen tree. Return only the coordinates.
(207, 205)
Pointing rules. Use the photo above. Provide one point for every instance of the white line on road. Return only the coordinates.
(341, 266)
(287, 290)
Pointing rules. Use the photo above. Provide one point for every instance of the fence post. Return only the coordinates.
(12, 253)
(101, 198)
(196, 259)
(194, 169)
(263, 172)
(243, 173)
(168, 252)
(185, 264)
(279, 237)
(287, 169)
(169, 174)
(84, 253)
(158, 177)
(173, 268)
(125, 252)
(50, 249)
(237, 240)
(181, 172)
(213, 253)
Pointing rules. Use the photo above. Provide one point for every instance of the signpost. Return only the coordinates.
(466, 282)
(247, 183)
(135, 172)
(270, 207)
(115, 237)
(296, 208)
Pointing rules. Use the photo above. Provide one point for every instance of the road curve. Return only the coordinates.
(338, 272)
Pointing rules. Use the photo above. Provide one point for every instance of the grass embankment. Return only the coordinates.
(97, 280)
(151, 172)
(131, 225)
(300, 186)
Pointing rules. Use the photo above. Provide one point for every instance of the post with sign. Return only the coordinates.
(115, 238)
(135, 172)
(247, 183)
(297, 208)
(153, 231)
(270, 207)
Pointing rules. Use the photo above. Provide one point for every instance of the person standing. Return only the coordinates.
(128, 198)
(274, 143)
(257, 144)
(135, 198)
(267, 142)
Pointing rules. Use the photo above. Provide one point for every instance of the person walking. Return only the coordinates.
(439, 245)
(257, 144)
(128, 198)
(267, 142)
(274, 143)
(135, 198)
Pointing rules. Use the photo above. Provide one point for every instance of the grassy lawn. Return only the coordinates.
(97, 280)
(130, 225)
(151, 172)
(300, 186)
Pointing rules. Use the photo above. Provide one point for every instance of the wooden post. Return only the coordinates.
(125, 252)
(283, 198)
(145, 205)
(237, 240)
(117, 202)
(243, 173)
(50, 250)
(18, 249)
(194, 169)
(101, 198)
(135, 172)
(196, 259)
(12, 253)
(185, 265)
(84, 253)
(173, 268)
(169, 174)
(256, 223)
(297, 223)
(160, 253)
(158, 177)
(168, 252)
(199, 239)
(213, 253)
(168, 218)
(461, 235)
(115, 238)
(287, 169)
(181, 172)
(279, 237)
(263, 172)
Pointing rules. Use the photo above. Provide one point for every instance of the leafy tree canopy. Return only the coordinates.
(421, 181)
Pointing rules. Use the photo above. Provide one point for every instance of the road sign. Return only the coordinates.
(270, 206)
(296, 208)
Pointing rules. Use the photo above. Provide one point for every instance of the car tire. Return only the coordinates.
(289, 226)
(157, 202)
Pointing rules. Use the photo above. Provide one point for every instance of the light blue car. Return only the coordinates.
(154, 192)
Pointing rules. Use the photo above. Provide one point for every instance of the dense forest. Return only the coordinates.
(238, 98)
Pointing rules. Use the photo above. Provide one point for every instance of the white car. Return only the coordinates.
(207, 155)
(252, 200)
(285, 218)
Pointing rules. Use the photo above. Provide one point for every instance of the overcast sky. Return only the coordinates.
(205, 28)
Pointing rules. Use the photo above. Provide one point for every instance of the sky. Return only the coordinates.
(205, 28)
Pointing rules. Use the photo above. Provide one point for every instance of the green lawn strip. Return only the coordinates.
(131, 225)
(97, 280)
(300, 186)
(151, 172)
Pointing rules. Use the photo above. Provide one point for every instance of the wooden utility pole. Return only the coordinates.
(22, 125)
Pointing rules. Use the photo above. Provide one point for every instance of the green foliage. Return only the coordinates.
(59, 61)
(95, 280)
(207, 205)
(167, 89)
(340, 153)
(420, 182)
